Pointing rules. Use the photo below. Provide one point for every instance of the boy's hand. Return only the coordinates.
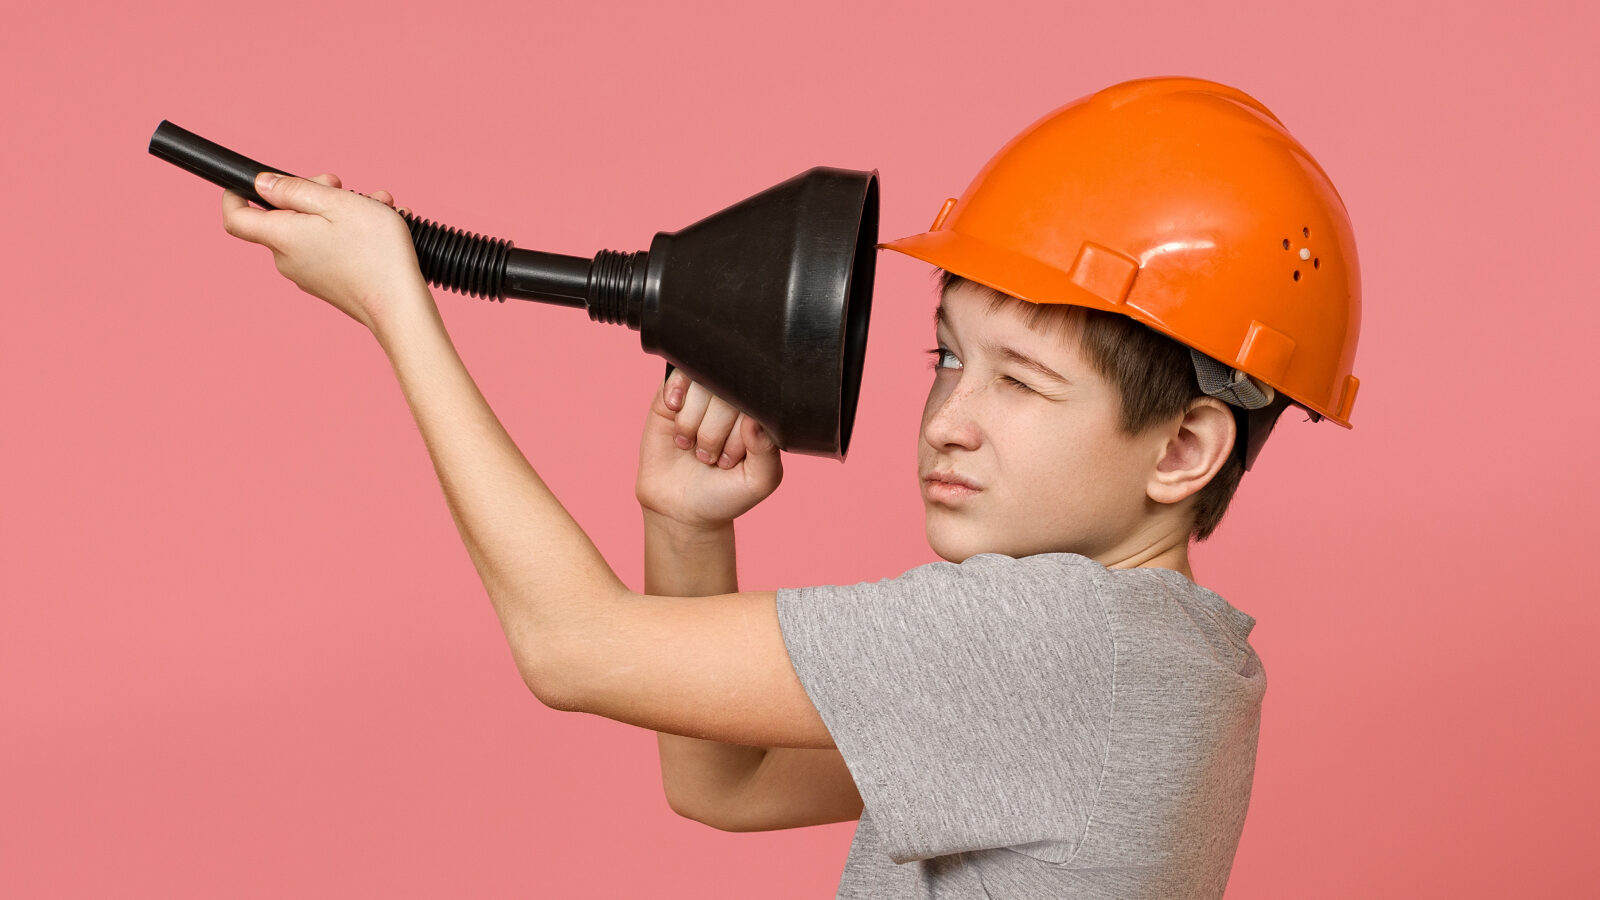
(678, 483)
(352, 250)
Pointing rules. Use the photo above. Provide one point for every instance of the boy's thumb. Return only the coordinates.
(762, 460)
(763, 442)
(289, 192)
(265, 182)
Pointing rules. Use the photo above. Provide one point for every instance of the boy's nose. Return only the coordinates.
(952, 422)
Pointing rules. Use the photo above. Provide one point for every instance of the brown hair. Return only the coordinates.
(1153, 373)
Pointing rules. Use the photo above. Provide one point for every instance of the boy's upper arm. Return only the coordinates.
(714, 668)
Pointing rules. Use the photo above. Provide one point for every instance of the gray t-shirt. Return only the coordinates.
(1036, 727)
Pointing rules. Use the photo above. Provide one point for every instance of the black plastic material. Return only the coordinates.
(213, 162)
(470, 264)
(766, 303)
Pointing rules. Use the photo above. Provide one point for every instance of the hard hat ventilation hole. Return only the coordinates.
(1296, 274)
(1306, 231)
(1285, 243)
(1316, 263)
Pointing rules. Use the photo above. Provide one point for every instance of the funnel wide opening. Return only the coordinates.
(858, 310)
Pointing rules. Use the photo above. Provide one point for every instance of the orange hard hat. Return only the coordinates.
(1186, 205)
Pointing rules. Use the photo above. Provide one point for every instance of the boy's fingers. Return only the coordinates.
(332, 180)
(677, 383)
(244, 221)
(668, 398)
(687, 424)
(714, 429)
(734, 450)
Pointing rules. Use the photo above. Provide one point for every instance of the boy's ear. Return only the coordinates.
(1195, 450)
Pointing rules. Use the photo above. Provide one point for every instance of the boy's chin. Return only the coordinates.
(956, 543)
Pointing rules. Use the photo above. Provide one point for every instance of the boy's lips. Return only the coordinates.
(947, 487)
(951, 478)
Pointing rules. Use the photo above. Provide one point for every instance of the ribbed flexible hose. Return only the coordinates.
(472, 264)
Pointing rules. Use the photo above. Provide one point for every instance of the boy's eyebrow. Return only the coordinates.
(1016, 356)
(1026, 361)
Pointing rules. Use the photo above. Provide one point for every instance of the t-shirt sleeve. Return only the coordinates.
(970, 702)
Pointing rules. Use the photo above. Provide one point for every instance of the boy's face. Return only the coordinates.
(1049, 467)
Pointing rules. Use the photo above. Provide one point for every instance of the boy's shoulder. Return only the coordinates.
(1064, 570)
(1132, 605)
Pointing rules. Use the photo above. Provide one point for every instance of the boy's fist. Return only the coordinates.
(703, 463)
(350, 249)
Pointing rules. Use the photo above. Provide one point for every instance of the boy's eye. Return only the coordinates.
(939, 355)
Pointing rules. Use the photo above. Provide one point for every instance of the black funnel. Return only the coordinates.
(765, 303)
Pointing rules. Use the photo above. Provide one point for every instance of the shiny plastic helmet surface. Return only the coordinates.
(1186, 205)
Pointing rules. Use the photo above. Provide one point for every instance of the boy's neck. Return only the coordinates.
(1168, 556)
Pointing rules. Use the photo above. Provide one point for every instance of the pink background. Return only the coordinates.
(243, 652)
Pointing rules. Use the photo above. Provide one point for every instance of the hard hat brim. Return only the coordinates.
(1029, 279)
(1026, 278)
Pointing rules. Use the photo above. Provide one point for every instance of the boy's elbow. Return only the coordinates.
(699, 812)
(556, 660)
(684, 810)
(544, 673)
(548, 690)
(550, 676)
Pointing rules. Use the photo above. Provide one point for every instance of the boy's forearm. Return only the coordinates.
(513, 527)
(688, 562)
(698, 776)
(541, 571)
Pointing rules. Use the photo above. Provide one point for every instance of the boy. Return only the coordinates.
(1055, 710)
